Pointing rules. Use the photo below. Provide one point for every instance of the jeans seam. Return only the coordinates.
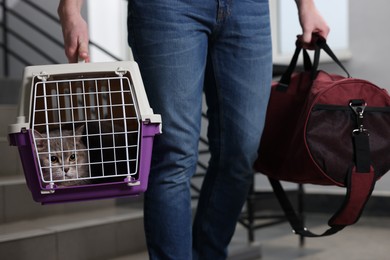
(220, 143)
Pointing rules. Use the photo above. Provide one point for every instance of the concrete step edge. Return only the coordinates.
(67, 222)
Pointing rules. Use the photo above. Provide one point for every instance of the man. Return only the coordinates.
(184, 48)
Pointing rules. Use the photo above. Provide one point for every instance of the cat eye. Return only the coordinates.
(72, 157)
(54, 159)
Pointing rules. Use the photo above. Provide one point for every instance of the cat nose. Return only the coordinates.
(66, 169)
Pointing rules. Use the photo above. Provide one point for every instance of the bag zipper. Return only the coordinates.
(347, 108)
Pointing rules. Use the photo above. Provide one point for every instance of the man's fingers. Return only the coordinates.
(83, 53)
(306, 37)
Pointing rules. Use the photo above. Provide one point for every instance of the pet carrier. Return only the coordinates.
(84, 131)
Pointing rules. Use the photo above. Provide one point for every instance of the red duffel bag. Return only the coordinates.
(325, 129)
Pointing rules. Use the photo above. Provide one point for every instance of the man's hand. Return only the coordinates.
(74, 30)
(311, 22)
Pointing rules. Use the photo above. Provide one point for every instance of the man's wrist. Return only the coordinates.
(68, 8)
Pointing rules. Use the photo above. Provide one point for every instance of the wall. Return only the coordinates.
(369, 25)
(111, 34)
(285, 27)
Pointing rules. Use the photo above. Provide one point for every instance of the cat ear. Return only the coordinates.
(80, 130)
(40, 139)
(37, 134)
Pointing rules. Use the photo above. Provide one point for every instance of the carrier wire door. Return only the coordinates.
(87, 132)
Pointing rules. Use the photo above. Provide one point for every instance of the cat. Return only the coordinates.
(65, 161)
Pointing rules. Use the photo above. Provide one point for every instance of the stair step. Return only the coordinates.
(137, 256)
(96, 234)
(249, 252)
(9, 159)
(239, 249)
(9, 91)
(65, 222)
(17, 203)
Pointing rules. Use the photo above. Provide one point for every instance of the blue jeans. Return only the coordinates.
(185, 48)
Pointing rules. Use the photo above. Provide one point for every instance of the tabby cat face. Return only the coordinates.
(68, 157)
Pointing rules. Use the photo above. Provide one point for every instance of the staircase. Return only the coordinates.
(103, 229)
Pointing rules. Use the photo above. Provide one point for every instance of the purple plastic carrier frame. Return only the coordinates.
(135, 187)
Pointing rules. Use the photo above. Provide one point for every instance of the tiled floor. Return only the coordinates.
(366, 240)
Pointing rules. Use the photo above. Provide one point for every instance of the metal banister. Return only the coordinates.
(7, 51)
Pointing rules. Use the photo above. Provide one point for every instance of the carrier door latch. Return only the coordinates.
(43, 76)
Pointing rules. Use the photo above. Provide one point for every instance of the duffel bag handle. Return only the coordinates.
(318, 44)
(284, 81)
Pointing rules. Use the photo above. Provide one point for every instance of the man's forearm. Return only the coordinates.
(69, 7)
(74, 29)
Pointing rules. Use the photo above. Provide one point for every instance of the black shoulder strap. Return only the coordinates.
(295, 221)
(359, 189)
